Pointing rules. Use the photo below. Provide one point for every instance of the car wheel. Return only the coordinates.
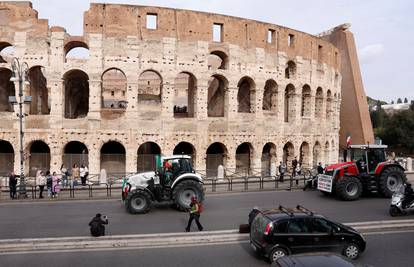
(351, 251)
(277, 253)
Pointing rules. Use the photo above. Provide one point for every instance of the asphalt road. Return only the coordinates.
(382, 251)
(222, 212)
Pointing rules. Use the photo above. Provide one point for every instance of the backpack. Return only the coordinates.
(200, 208)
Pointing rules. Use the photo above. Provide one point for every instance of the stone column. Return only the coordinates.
(131, 160)
(95, 100)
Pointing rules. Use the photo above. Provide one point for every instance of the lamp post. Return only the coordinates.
(20, 74)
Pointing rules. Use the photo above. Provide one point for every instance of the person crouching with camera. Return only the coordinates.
(97, 225)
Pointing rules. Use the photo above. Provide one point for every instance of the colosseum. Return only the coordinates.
(148, 80)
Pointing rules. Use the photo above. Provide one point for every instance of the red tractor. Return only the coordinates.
(367, 172)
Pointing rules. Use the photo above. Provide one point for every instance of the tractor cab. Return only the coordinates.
(367, 157)
(171, 167)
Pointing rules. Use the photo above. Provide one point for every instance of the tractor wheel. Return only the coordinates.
(348, 188)
(138, 202)
(390, 179)
(184, 191)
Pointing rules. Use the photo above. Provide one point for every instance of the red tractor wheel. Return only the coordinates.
(390, 179)
(348, 188)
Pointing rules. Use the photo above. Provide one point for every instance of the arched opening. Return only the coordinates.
(217, 86)
(185, 148)
(317, 154)
(150, 86)
(327, 153)
(114, 87)
(6, 89)
(328, 106)
(288, 154)
(146, 156)
(76, 50)
(216, 155)
(270, 96)
(76, 94)
(7, 52)
(268, 157)
(75, 152)
(39, 157)
(306, 101)
(244, 153)
(185, 98)
(246, 95)
(290, 70)
(113, 158)
(304, 156)
(290, 107)
(6, 158)
(318, 103)
(38, 91)
(217, 60)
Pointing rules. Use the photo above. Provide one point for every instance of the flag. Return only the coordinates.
(124, 186)
(348, 140)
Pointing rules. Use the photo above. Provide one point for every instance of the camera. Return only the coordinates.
(105, 217)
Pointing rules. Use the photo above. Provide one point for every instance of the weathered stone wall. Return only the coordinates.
(116, 37)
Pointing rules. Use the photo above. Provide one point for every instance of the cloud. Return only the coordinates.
(370, 53)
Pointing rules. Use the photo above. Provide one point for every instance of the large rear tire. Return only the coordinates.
(391, 178)
(138, 202)
(348, 188)
(184, 191)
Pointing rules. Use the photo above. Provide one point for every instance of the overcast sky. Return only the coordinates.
(383, 29)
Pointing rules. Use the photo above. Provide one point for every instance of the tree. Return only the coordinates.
(398, 130)
(399, 101)
(405, 100)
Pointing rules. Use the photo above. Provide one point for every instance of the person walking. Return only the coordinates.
(294, 165)
(195, 210)
(282, 171)
(13, 184)
(65, 173)
(55, 185)
(298, 171)
(97, 225)
(40, 182)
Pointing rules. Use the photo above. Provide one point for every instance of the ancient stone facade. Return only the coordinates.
(156, 80)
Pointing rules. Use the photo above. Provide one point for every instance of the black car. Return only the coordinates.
(318, 260)
(280, 232)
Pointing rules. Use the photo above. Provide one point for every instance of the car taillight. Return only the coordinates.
(268, 228)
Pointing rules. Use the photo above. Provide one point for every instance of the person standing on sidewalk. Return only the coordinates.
(65, 173)
(282, 170)
(41, 182)
(55, 185)
(12, 185)
(82, 173)
(294, 165)
(75, 174)
(195, 210)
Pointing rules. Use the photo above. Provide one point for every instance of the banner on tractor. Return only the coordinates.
(325, 183)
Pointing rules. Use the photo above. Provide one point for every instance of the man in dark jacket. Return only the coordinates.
(294, 165)
(12, 185)
(320, 168)
(97, 225)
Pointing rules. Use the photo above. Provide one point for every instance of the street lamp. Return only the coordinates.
(20, 74)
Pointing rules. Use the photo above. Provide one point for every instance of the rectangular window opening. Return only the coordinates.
(270, 36)
(320, 53)
(152, 21)
(217, 32)
(291, 40)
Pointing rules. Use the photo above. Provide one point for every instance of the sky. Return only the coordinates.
(383, 29)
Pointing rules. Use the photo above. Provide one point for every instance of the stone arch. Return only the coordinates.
(185, 95)
(185, 148)
(290, 70)
(76, 49)
(288, 154)
(113, 158)
(246, 95)
(6, 89)
(270, 96)
(114, 88)
(146, 156)
(6, 52)
(6, 157)
(268, 157)
(304, 155)
(216, 154)
(150, 86)
(317, 150)
(319, 103)
(290, 107)
(327, 152)
(244, 158)
(218, 60)
(39, 157)
(75, 152)
(76, 94)
(306, 101)
(216, 98)
(38, 91)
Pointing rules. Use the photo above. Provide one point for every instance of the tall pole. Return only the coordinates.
(22, 188)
